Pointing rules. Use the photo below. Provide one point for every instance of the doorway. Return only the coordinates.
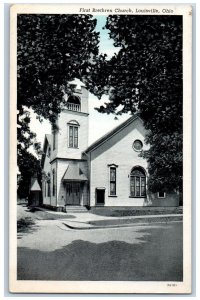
(100, 196)
(73, 193)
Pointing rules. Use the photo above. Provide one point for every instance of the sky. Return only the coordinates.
(99, 124)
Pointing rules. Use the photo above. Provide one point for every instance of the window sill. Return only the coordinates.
(114, 196)
(137, 196)
(73, 147)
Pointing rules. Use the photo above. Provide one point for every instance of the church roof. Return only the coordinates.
(47, 141)
(48, 137)
(74, 173)
(108, 135)
(35, 186)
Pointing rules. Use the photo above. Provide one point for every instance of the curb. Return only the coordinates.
(90, 227)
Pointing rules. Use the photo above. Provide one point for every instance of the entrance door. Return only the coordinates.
(100, 196)
(73, 193)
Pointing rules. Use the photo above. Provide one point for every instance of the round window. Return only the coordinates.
(137, 145)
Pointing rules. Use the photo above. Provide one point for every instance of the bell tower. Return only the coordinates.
(71, 138)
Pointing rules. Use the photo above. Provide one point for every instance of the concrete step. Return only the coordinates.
(75, 209)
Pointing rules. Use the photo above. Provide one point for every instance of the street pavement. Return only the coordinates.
(49, 250)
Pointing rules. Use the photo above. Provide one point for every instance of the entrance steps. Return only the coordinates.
(75, 209)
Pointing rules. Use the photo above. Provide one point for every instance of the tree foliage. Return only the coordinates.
(52, 50)
(146, 77)
(28, 164)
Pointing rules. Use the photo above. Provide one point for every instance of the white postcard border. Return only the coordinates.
(22, 286)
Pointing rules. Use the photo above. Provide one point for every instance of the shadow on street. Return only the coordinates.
(158, 257)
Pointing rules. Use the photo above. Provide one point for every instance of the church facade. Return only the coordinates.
(110, 172)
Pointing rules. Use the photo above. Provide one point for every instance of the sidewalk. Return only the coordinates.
(90, 221)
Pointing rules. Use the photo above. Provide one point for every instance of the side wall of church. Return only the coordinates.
(117, 150)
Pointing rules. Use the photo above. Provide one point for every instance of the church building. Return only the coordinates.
(109, 172)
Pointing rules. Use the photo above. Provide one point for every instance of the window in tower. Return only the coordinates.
(73, 128)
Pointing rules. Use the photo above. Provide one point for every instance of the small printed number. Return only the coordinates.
(172, 284)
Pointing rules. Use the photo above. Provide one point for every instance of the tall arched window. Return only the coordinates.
(54, 183)
(73, 134)
(137, 182)
(54, 140)
(49, 186)
(45, 188)
(49, 151)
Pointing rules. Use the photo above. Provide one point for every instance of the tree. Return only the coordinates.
(146, 77)
(29, 166)
(28, 163)
(51, 51)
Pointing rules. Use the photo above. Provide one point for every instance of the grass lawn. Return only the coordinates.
(136, 221)
(24, 224)
(26, 216)
(135, 211)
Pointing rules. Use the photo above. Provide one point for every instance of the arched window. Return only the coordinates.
(137, 182)
(45, 188)
(113, 180)
(73, 134)
(54, 140)
(49, 151)
(49, 186)
(74, 103)
(54, 183)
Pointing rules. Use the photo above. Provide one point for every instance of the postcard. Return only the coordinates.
(100, 148)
